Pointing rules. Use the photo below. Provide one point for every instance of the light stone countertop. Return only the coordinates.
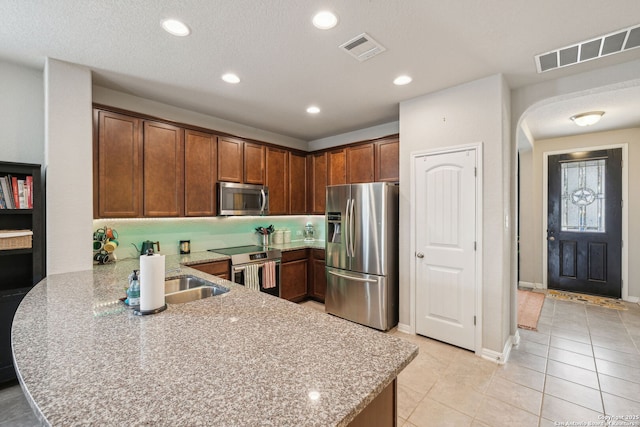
(243, 358)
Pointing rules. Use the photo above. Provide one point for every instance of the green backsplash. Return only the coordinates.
(204, 233)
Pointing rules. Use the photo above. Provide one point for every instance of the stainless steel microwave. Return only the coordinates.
(242, 199)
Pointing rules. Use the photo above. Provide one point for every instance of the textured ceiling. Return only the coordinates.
(286, 64)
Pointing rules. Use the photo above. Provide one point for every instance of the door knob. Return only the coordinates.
(552, 238)
(420, 255)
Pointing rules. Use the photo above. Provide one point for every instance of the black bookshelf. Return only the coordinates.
(20, 269)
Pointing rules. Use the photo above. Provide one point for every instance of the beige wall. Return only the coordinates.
(531, 216)
(475, 112)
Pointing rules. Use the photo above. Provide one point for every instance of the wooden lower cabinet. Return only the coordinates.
(293, 275)
(317, 275)
(382, 411)
(216, 268)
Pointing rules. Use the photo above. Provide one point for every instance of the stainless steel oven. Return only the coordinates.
(244, 256)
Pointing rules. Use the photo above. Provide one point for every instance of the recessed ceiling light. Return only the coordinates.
(175, 27)
(231, 78)
(313, 110)
(587, 119)
(325, 20)
(402, 80)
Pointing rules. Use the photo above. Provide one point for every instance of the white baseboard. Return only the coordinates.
(501, 358)
(402, 327)
(633, 299)
(530, 285)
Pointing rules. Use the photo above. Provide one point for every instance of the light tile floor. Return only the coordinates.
(582, 363)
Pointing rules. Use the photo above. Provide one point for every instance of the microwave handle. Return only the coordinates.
(264, 199)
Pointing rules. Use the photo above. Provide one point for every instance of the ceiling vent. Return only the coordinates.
(362, 47)
(616, 42)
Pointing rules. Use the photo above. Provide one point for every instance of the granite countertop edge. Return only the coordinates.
(105, 277)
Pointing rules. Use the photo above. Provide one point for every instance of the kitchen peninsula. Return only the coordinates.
(243, 358)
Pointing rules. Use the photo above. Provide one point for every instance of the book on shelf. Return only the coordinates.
(29, 180)
(6, 189)
(14, 187)
(3, 204)
(16, 193)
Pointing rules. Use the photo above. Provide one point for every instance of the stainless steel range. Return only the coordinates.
(243, 258)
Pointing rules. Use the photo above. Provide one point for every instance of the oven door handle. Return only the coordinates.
(236, 268)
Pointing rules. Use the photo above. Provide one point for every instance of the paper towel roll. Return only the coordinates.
(151, 282)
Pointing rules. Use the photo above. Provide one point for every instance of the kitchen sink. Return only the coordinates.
(183, 283)
(179, 290)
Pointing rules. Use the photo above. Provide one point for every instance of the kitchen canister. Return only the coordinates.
(278, 237)
(286, 235)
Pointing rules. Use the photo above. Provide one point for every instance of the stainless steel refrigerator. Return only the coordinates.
(362, 253)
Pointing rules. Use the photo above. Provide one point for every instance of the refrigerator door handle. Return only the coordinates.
(355, 279)
(347, 228)
(352, 231)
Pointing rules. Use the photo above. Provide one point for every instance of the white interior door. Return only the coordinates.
(445, 230)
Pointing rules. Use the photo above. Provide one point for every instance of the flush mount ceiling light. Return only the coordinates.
(587, 119)
(231, 78)
(313, 110)
(175, 27)
(402, 80)
(325, 20)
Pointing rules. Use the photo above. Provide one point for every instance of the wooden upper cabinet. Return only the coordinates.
(163, 170)
(360, 163)
(119, 161)
(230, 159)
(337, 165)
(297, 183)
(254, 164)
(200, 172)
(388, 160)
(277, 182)
(317, 182)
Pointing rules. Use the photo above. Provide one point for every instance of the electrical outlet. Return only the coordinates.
(298, 233)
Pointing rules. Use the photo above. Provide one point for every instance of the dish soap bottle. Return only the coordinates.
(134, 290)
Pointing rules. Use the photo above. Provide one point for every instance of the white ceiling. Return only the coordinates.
(286, 64)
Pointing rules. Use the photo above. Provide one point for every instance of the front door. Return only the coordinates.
(584, 223)
(445, 229)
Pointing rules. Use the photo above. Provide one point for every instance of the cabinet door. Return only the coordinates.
(163, 170)
(336, 171)
(254, 164)
(297, 183)
(216, 268)
(119, 154)
(293, 280)
(318, 279)
(277, 182)
(388, 160)
(230, 160)
(200, 173)
(360, 164)
(318, 183)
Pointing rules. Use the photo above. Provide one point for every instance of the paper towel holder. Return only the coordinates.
(139, 312)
